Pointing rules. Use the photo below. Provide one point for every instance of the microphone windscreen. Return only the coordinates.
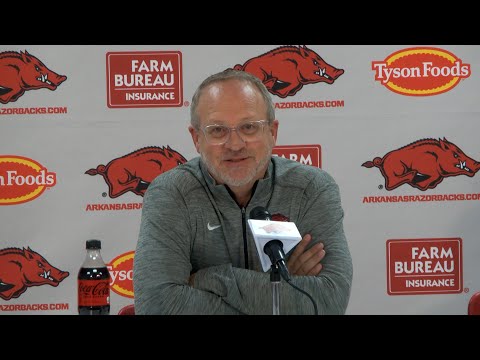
(260, 213)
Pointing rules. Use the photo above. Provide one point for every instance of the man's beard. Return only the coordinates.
(231, 181)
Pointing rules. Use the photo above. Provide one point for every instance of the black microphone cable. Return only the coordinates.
(289, 281)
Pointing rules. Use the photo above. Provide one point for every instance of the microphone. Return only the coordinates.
(262, 227)
(274, 250)
(274, 247)
(260, 213)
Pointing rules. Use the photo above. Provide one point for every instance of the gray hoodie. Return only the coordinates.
(190, 224)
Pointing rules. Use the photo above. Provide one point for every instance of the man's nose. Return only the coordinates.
(235, 142)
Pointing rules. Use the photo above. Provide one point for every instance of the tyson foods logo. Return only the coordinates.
(423, 164)
(420, 71)
(144, 79)
(286, 69)
(20, 72)
(424, 266)
(135, 171)
(24, 268)
(22, 179)
(121, 274)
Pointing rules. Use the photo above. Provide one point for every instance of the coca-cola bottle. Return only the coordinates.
(93, 282)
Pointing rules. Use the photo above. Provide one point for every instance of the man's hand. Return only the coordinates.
(191, 280)
(306, 262)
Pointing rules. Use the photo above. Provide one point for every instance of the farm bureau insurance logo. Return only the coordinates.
(20, 72)
(286, 69)
(121, 274)
(304, 154)
(420, 71)
(424, 266)
(22, 179)
(144, 79)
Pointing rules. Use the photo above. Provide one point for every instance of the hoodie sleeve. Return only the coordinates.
(162, 259)
(250, 292)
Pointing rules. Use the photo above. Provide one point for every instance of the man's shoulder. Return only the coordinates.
(181, 175)
(285, 166)
(292, 173)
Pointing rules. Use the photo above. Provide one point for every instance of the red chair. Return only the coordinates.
(474, 304)
(127, 310)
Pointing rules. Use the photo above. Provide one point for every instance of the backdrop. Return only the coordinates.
(395, 126)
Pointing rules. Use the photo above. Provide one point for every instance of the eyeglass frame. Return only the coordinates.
(262, 122)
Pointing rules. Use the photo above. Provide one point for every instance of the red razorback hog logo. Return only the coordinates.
(280, 217)
(135, 171)
(20, 71)
(423, 164)
(23, 268)
(286, 69)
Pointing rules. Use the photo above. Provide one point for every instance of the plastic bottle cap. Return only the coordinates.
(94, 244)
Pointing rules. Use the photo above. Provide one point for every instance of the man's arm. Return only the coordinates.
(321, 215)
(162, 264)
(162, 261)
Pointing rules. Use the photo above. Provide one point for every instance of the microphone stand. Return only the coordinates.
(275, 281)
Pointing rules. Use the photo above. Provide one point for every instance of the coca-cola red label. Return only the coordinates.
(93, 292)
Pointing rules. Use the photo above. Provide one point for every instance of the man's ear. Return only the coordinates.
(195, 135)
(274, 130)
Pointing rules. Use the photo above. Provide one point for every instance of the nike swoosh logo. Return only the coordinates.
(210, 227)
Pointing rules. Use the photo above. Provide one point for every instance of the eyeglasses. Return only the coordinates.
(220, 134)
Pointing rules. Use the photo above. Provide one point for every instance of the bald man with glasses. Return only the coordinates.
(195, 253)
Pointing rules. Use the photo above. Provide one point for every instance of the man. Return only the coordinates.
(196, 253)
